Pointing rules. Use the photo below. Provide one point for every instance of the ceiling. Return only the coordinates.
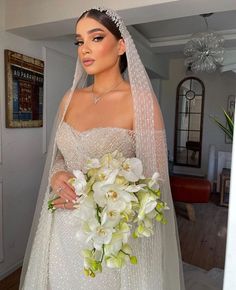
(169, 36)
(162, 36)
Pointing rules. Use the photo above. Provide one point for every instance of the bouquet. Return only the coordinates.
(116, 202)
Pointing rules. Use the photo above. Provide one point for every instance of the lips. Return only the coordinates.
(88, 62)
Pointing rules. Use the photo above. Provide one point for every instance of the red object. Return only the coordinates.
(189, 189)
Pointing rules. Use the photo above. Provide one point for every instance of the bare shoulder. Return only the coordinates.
(76, 93)
(127, 95)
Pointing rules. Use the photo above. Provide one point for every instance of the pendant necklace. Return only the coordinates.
(97, 98)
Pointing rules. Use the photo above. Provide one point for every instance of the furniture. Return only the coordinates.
(224, 186)
(190, 190)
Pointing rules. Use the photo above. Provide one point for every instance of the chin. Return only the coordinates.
(90, 70)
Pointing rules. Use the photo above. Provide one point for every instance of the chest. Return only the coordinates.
(114, 111)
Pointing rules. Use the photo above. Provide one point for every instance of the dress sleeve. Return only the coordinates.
(58, 165)
(161, 153)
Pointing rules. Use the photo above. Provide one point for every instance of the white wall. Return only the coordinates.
(21, 150)
(22, 160)
(230, 261)
(217, 88)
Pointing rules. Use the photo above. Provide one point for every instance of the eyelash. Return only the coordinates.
(96, 39)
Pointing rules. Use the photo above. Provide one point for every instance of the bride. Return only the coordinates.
(119, 111)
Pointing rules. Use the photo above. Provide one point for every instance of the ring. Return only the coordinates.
(66, 200)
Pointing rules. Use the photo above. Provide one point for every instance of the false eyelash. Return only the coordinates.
(77, 42)
(99, 38)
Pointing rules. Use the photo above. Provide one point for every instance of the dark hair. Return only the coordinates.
(105, 20)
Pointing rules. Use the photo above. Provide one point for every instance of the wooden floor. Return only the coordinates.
(11, 282)
(202, 242)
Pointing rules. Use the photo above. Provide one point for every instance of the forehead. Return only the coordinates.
(87, 24)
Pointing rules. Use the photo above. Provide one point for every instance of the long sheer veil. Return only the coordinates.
(160, 265)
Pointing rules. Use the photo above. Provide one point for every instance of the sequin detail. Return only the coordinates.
(65, 260)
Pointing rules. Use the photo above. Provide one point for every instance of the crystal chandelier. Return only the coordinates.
(204, 52)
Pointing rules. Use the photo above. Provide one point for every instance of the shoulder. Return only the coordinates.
(67, 97)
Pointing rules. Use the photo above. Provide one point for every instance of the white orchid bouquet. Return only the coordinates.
(115, 202)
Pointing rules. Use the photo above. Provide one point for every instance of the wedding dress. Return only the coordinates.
(65, 259)
(52, 260)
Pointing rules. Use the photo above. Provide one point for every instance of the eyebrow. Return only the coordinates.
(91, 31)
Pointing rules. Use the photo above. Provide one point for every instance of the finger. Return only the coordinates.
(65, 191)
(60, 200)
(68, 196)
(66, 179)
(68, 205)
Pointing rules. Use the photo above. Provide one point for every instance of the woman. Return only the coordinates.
(111, 114)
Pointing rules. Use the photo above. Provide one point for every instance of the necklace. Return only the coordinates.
(97, 98)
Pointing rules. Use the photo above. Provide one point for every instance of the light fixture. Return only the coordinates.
(204, 51)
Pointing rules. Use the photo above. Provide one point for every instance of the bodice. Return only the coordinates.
(76, 147)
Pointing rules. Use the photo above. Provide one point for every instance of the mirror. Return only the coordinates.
(188, 122)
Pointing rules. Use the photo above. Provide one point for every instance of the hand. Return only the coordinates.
(61, 187)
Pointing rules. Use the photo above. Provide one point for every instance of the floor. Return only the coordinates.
(202, 242)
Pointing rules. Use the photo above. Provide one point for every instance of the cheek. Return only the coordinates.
(79, 52)
(107, 52)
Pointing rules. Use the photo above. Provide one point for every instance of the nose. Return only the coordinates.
(85, 48)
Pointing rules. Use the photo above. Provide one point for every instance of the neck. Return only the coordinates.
(106, 80)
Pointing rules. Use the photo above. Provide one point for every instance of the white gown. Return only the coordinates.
(65, 260)
(56, 263)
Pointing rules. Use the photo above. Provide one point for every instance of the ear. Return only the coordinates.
(121, 46)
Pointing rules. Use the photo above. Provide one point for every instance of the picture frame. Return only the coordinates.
(24, 80)
(230, 112)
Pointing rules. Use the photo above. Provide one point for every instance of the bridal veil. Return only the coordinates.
(160, 265)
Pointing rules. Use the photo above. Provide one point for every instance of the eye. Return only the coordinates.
(78, 42)
(98, 38)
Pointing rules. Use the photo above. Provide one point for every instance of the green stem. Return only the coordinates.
(98, 217)
(154, 192)
(125, 253)
(103, 252)
(158, 211)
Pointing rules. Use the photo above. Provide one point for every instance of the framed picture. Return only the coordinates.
(24, 78)
(230, 111)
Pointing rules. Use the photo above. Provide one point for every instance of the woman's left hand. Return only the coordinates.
(62, 203)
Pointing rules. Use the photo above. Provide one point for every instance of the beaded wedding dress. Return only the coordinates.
(53, 259)
(65, 259)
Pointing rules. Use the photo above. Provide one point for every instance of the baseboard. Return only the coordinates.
(10, 270)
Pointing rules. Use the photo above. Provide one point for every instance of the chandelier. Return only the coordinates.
(204, 51)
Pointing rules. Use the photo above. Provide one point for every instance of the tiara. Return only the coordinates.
(114, 17)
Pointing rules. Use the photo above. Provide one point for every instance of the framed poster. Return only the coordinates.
(24, 78)
(230, 111)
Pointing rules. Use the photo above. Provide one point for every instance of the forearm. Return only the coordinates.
(58, 165)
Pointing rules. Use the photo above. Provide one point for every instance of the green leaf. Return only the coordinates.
(228, 129)
(133, 260)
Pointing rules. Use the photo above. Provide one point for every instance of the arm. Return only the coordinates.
(59, 175)
(59, 164)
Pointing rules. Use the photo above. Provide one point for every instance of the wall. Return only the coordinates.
(22, 160)
(230, 261)
(21, 150)
(217, 88)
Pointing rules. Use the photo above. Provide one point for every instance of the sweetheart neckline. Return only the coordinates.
(95, 128)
